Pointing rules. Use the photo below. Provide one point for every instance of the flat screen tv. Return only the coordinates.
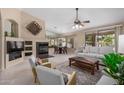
(19, 45)
(11, 46)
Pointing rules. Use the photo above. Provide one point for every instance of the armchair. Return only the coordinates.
(106, 80)
(32, 61)
(49, 76)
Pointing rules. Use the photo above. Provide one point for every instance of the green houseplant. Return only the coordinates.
(12, 34)
(6, 33)
(114, 63)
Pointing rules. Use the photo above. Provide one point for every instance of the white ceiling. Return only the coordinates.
(61, 19)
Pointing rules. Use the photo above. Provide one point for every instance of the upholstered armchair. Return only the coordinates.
(49, 76)
(32, 61)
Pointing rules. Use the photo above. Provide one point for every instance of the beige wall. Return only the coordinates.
(79, 39)
(22, 19)
(0, 41)
(27, 19)
(6, 14)
(27, 35)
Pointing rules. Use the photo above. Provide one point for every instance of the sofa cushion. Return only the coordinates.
(81, 54)
(90, 55)
(106, 50)
(94, 49)
(79, 50)
(99, 55)
(86, 49)
(95, 55)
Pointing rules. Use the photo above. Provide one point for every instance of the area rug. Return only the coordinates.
(83, 77)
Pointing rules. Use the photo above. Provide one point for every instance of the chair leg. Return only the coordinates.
(35, 79)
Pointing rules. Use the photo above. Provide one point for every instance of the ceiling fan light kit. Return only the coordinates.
(77, 23)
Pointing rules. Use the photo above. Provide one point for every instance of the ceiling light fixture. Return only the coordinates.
(77, 23)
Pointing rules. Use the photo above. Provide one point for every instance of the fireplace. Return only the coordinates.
(42, 49)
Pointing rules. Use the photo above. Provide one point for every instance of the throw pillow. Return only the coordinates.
(38, 61)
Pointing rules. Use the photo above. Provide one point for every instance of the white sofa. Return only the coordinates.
(96, 52)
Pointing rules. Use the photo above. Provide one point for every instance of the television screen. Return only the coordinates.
(11, 46)
(19, 45)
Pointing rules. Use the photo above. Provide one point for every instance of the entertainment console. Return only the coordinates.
(14, 49)
(15, 55)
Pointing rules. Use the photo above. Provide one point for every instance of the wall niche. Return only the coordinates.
(11, 28)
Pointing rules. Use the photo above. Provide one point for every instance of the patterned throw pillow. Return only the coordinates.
(38, 61)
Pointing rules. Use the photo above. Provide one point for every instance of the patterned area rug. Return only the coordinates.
(83, 77)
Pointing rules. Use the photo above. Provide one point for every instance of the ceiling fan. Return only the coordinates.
(77, 23)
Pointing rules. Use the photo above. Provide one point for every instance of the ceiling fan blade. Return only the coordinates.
(82, 24)
(87, 21)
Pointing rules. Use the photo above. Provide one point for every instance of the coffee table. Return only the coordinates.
(85, 63)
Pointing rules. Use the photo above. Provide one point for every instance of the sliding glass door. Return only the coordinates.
(100, 38)
(105, 38)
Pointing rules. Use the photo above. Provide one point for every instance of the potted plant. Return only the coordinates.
(6, 33)
(12, 34)
(114, 63)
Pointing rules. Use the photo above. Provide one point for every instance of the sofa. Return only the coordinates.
(93, 51)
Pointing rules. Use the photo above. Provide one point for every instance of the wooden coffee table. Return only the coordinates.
(85, 63)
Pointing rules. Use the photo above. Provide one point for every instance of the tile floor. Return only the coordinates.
(20, 74)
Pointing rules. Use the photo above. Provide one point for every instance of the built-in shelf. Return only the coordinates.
(28, 48)
(28, 45)
(28, 42)
(28, 53)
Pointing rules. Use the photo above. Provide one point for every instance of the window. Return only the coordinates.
(101, 38)
(106, 38)
(90, 39)
(62, 42)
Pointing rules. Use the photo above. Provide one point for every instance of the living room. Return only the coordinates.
(59, 46)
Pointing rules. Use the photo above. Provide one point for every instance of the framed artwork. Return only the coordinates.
(34, 27)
